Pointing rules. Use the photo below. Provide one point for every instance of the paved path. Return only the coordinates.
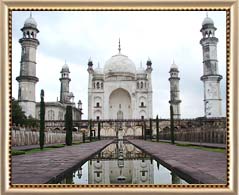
(193, 165)
(41, 167)
(208, 145)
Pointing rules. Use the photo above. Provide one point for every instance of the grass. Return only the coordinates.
(32, 151)
(77, 143)
(220, 150)
(17, 152)
(35, 150)
(56, 146)
(47, 148)
(162, 142)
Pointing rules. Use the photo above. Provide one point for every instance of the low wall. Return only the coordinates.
(196, 135)
(24, 136)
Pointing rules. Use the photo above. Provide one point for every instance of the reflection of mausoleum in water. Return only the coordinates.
(121, 163)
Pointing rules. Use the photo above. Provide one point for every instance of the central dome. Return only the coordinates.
(119, 64)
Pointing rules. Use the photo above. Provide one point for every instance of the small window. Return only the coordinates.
(98, 118)
(97, 104)
(98, 85)
(143, 173)
(142, 104)
(142, 117)
(97, 174)
(119, 105)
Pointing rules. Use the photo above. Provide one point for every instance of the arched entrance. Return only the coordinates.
(120, 104)
(120, 115)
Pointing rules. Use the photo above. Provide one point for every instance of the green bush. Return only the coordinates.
(42, 120)
(68, 125)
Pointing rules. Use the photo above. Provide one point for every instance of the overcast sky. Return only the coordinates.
(163, 36)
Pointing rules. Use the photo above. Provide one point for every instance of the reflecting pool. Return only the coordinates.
(122, 163)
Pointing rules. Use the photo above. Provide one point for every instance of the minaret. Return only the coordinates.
(65, 80)
(174, 91)
(90, 71)
(211, 78)
(27, 79)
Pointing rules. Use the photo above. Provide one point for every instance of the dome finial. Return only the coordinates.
(30, 14)
(119, 46)
(174, 66)
(207, 14)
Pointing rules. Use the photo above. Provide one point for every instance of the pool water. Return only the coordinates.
(122, 163)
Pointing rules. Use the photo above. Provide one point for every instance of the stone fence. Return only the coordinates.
(28, 136)
(217, 135)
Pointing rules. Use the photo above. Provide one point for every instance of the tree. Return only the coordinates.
(171, 124)
(157, 128)
(150, 128)
(68, 125)
(99, 127)
(42, 120)
(18, 115)
(90, 129)
(31, 122)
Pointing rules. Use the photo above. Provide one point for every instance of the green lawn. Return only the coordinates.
(32, 151)
(221, 150)
(20, 152)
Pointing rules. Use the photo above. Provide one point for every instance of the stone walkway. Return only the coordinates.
(208, 145)
(41, 167)
(193, 165)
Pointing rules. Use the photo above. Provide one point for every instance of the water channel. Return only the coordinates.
(121, 163)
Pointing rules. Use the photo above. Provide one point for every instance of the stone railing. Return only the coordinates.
(211, 135)
(30, 136)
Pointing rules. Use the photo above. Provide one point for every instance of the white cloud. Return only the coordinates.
(161, 35)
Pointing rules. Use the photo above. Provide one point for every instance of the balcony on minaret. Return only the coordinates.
(30, 31)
